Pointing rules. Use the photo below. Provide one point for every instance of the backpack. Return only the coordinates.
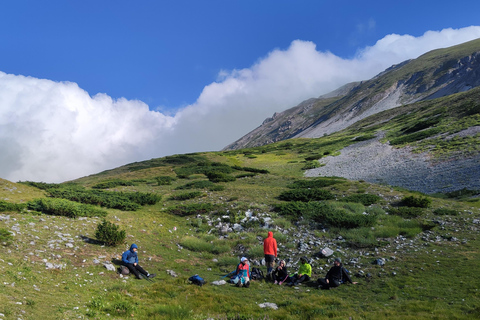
(196, 279)
(256, 274)
(123, 270)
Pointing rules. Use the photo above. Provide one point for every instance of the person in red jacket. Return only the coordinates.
(270, 251)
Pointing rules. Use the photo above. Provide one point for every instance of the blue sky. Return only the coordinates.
(87, 86)
(164, 52)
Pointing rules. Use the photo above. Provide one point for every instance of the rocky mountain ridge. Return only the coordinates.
(435, 74)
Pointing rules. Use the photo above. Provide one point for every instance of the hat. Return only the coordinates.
(243, 259)
(338, 260)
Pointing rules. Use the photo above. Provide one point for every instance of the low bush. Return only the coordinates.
(315, 183)
(202, 184)
(334, 214)
(365, 198)
(110, 234)
(306, 195)
(6, 237)
(415, 136)
(191, 209)
(217, 176)
(127, 201)
(165, 180)
(462, 193)
(245, 175)
(406, 212)
(7, 206)
(419, 202)
(186, 196)
(249, 169)
(445, 212)
(311, 165)
(67, 208)
(113, 184)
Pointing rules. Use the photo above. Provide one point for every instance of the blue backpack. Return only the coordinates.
(196, 279)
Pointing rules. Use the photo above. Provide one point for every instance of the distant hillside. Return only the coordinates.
(435, 74)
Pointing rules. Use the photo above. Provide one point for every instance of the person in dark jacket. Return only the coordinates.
(130, 260)
(280, 274)
(335, 276)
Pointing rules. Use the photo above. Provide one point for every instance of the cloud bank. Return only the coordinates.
(55, 131)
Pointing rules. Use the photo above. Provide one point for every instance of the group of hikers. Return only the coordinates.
(279, 275)
(242, 274)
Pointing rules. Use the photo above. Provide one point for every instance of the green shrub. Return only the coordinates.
(62, 207)
(110, 234)
(191, 209)
(328, 213)
(365, 198)
(311, 165)
(462, 193)
(249, 169)
(6, 237)
(419, 202)
(113, 184)
(217, 176)
(187, 195)
(415, 136)
(364, 137)
(315, 183)
(8, 206)
(315, 156)
(165, 180)
(202, 184)
(127, 201)
(406, 212)
(306, 195)
(445, 212)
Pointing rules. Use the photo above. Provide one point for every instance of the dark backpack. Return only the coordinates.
(256, 274)
(196, 279)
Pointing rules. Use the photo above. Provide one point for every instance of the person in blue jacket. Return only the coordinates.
(130, 260)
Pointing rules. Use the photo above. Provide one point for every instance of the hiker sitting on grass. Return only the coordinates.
(280, 274)
(130, 260)
(335, 276)
(242, 274)
(304, 273)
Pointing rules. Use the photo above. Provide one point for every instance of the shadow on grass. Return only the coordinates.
(92, 241)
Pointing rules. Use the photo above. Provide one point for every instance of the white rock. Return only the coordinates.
(219, 283)
(268, 305)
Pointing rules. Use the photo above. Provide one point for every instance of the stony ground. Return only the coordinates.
(380, 163)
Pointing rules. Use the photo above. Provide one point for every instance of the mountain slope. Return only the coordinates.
(435, 74)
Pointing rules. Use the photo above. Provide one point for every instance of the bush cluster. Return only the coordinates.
(7, 206)
(407, 212)
(62, 207)
(415, 136)
(128, 201)
(201, 184)
(315, 183)
(419, 202)
(217, 176)
(445, 212)
(190, 209)
(326, 213)
(250, 169)
(311, 165)
(110, 234)
(165, 180)
(186, 196)
(306, 195)
(203, 167)
(112, 184)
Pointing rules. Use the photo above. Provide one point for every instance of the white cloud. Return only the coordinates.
(54, 131)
